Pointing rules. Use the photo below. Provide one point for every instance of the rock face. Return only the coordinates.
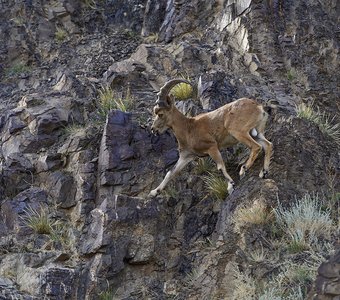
(87, 174)
(327, 284)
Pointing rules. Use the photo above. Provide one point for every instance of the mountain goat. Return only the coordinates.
(242, 121)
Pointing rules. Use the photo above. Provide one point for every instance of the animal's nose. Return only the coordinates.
(153, 130)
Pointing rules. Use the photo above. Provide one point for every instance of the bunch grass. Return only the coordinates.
(305, 222)
(109, 100)
(60, 34)
(326, 123)
(182, 91)
(257, 214)
(39, 220)
(205, 165)
(216, 185)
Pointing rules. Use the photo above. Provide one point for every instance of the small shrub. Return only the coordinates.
(75, 129)
(217, 186)
(305, 111)
(296, 294)
(90, 3)
(293, 280)
(60, 34)
(244, 286)
(298, 274)
(291, 74)
(39, 220)
(107, 295)
(182, 91)
(191, 277)
(328, 126)
(61, 233)
(305, 220)
(271, 294)
(109, 99)
(17, 69)
(257, 255)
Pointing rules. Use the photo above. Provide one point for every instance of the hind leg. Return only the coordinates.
(268, 150)
(254, 146)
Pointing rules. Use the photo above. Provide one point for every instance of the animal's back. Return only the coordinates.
(243, 113)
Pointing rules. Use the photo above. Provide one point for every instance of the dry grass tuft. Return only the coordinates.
(204, 165)
(244, 286)
(325, 122)
(39, 220)
(182, 91)
(217, 186)
(304, 222)
(109, 100)
(257, 255)
(258, 214)
(60, 34)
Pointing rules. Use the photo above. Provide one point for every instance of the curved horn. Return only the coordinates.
(165, 89)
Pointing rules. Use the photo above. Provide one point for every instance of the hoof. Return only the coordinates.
(153, 193)
(263, 174)
(231, 187)
(243, 171)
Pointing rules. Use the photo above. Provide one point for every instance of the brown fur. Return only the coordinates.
(207, 133)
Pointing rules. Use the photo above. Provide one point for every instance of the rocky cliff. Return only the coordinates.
(76, 221)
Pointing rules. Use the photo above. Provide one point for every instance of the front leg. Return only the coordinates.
(183, 160)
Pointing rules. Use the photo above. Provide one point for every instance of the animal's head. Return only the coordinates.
(163, 110)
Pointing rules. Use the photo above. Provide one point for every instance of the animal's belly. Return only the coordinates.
(227, 141)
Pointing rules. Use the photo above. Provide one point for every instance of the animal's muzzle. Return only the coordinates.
(154, 131)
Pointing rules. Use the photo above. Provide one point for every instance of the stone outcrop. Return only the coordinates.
(327, 283)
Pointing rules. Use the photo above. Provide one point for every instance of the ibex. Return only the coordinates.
(242, 121)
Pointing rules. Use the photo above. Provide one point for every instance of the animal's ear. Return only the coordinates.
(170, 100)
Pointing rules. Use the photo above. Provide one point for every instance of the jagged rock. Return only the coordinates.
(9, 291)
(26, 268)
(116, 209)
(116, 163)
(140, 251)
(58, 283)
(126, 70)
(36, 278)
(50, 162)
(153, 16)
(85, 169)
(42, 124)
(16, 160)
(96, 238)
(62, 188)
(327, 283)
(11, 209)
(14, 123)
(47, 121)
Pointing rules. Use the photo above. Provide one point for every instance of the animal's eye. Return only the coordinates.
(161, 115)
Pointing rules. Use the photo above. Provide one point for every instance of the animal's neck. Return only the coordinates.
(180, 125)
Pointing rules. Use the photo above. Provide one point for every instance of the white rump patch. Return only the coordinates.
(253, 132)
